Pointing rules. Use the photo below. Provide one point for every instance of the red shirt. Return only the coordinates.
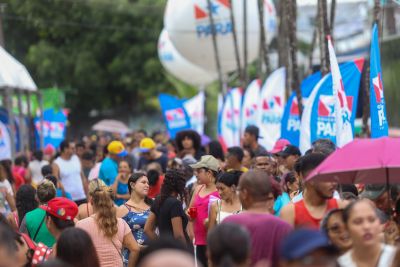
(302, 216)
(155, 190)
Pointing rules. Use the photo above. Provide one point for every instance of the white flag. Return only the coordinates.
(272, 104)
(250, 106)
(344, 130)
(195, 109)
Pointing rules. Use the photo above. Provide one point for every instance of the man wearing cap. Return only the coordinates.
(250, 139)
(67, 169)
(149, 154)
(288, 156)
(306, 247)
(109, 166)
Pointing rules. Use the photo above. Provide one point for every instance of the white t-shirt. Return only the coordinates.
(385, 260)
(36, 169)
(70, 176)
(6, 184)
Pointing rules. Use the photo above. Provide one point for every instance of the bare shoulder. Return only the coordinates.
(287, 213)
(122, 211)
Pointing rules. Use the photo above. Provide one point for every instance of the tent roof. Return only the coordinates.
(13, 74)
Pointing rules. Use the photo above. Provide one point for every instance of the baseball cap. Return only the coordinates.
(300, 243)
(253, 130)
(117, 148)
(373, 191)
(279, 145)
(61, 208)
(208, 162)
(288, 151)
(146, 145)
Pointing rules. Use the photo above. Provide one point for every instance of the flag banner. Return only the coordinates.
(271, 103)
(318, 120)
(174, 113)
(290, 128)
(344, 130)
(195, 110)
(5, 142)
(379, 123)
(250, 106)
(229, 119)
(54, 127)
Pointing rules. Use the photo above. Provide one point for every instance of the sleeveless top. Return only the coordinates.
(202, 205)
(302, 216)
(386, 258)
(122, 189)
(70, 176)
(221, 215)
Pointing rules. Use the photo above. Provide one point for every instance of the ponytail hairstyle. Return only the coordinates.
(133, 179)
(223, 246)
(174, 182)
(106, 214)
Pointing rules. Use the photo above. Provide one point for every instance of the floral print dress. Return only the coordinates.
(136, 221)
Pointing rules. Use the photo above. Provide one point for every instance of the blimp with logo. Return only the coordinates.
(326, 125)
(189, 26)
(179, 66)
(175, 117)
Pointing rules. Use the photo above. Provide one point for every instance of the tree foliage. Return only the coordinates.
(102, 53)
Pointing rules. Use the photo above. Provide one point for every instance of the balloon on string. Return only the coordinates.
(180, 67)
(188, 24)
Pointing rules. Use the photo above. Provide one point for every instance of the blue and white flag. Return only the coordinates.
(319, 118)
(54, 127)
(379, 123)
(250, 105)
(344, 130)
(195, 110)
(290, 128)
(229, 119)
(174, 113)
(272, 102)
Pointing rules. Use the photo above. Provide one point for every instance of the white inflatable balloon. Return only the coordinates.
(189, 27)
(180, 67)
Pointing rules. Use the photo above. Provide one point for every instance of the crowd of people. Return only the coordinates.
(189, 201)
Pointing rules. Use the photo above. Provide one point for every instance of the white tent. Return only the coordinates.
(13, 74)
(16, 80)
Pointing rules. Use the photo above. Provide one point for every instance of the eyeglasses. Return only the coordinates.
(336, 229)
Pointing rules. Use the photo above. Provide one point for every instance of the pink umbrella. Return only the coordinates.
(367, 161)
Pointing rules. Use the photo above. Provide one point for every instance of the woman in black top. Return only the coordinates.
(167, 212)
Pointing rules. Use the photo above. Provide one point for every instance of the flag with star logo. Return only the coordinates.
(344, 129)
(379, 123)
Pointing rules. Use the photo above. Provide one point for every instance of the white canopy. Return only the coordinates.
(13, 74)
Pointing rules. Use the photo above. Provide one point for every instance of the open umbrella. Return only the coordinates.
(111, 126)
(367, 161)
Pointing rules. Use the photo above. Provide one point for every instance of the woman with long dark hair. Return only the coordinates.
(25, 202)
(166, 212)
(188, 142)
(365, 230)
(137, 209)
(229, 203)
(76, 248)
(109, 233)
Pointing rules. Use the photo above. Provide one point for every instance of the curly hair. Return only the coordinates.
(174, 182)
(193, 135)
(106, 214)
(25, 200)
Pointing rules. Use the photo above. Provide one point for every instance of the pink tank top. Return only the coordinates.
(201, 203)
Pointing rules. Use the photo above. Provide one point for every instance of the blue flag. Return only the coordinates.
(379, 123)
(290, 127)
(174, 113)
(54, 127)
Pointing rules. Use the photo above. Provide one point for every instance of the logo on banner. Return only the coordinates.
(175, 117)
(51, 129)
(294, 116)
(270, 107)
(2, 143)
(380, 100)
(201, 14)
(231, 118)
(251, 111)
(326, 125)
